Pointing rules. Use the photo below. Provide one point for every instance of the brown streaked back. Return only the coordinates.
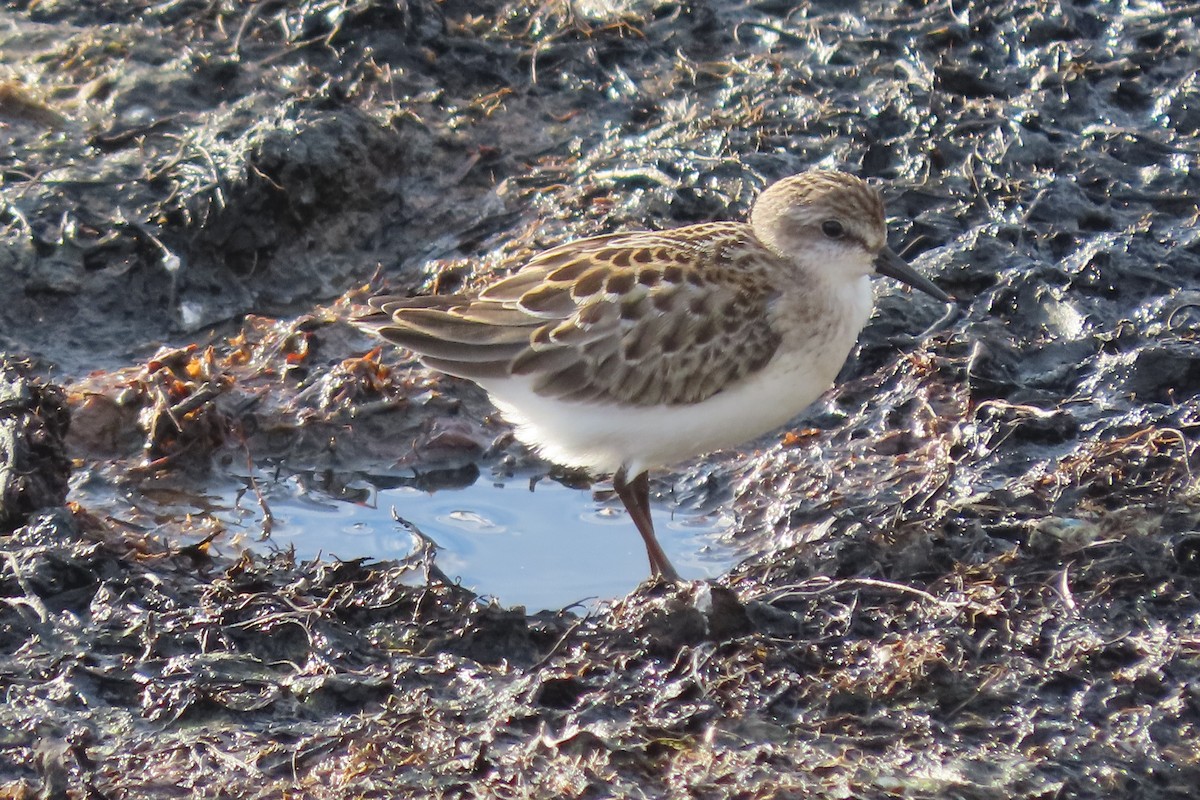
(633, 318)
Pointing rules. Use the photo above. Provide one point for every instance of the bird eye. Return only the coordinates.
(833, 229)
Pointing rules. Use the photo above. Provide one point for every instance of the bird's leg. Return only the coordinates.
(635, 495)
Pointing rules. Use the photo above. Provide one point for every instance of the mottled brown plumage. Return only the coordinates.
(640, 318)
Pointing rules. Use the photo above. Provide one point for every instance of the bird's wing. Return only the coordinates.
(636, 319)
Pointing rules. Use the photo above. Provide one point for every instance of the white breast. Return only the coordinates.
(605, 438)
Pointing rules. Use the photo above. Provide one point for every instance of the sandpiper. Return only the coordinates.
(630, 351)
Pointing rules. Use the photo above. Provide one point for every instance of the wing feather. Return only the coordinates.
(460, 329)
(632, 318)
(425, 344)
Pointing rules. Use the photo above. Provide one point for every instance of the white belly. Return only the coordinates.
(605, 438)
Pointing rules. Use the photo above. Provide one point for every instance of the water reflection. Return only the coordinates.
(534, 543)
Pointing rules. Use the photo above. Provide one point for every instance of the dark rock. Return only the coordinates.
(1167, 373)
(33, 427)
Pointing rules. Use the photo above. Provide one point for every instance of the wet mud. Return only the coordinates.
(970, 569)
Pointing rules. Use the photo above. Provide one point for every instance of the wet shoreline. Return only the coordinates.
(970, 567)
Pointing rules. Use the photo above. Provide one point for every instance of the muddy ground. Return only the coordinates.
(971, 569)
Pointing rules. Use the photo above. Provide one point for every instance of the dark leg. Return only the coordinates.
(636, 496)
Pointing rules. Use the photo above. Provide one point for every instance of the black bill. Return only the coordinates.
(892, 265)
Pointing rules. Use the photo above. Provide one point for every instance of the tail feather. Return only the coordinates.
(424, 344)
(478, 371)
(454, 328)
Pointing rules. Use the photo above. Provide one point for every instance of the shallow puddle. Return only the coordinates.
(535, 543)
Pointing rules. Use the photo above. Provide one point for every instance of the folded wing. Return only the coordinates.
(636, 318)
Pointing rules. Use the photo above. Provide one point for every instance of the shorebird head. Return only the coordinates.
(832, 224)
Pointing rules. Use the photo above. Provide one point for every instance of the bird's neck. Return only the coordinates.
(814, 304)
